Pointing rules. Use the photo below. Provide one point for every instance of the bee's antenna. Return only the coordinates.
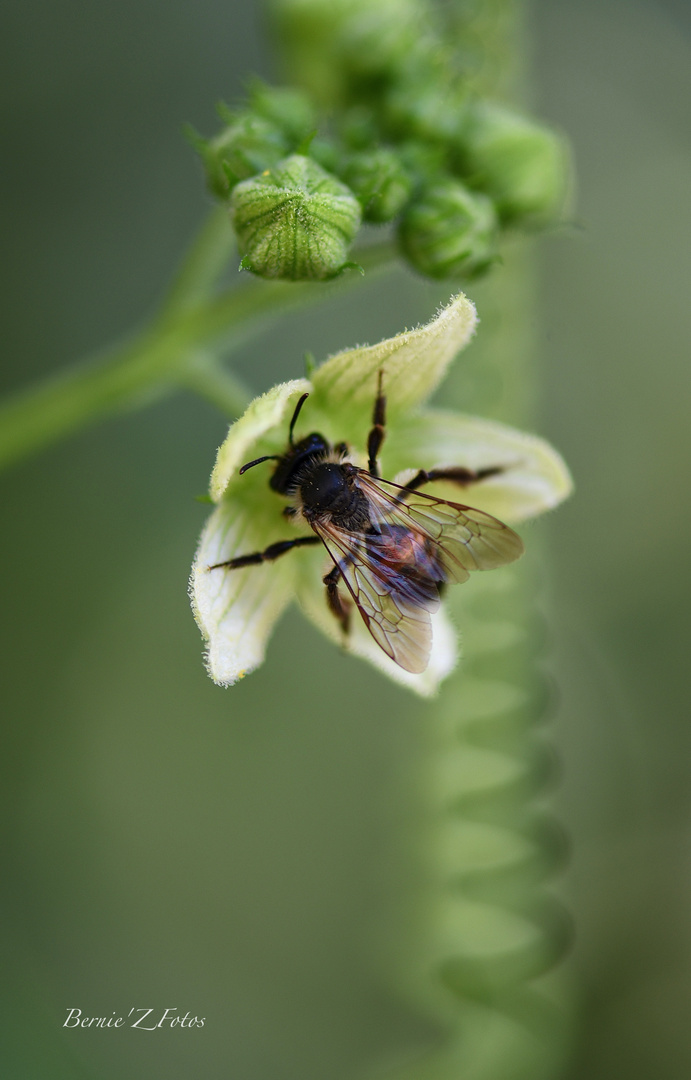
(299, 405)
(258, 461)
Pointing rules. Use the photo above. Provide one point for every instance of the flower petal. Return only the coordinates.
(414, 363)
(236, 609)
(263, 417)
(444, 657)
(535, 477)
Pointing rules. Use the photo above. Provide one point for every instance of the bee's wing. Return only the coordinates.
(395, 609)
(395, 598)
(464, 538)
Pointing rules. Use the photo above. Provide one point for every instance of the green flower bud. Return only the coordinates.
(521, 164)
(427, 162)
(330, 48)
(288, 109)
(358, 128)
(380, 182)
(450, 232)
(294, 221)
(249, 145)
(378, 39)
(327, 153)
(426, 109)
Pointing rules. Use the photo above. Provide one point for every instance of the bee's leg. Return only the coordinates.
(334, 601)
(457, 473)
(376, 435)
(267, 555)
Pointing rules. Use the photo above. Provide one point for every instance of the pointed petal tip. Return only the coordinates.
(414, 362)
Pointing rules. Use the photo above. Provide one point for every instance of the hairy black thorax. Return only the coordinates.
(322, 484)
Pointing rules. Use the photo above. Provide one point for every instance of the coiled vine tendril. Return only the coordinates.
(491, 929)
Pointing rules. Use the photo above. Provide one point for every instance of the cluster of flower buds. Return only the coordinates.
(385, 127)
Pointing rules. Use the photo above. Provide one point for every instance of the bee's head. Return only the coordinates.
(291, 465)
(286, 476)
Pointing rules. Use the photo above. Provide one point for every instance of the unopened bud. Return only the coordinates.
(426, 108)
(521, 164)
(359, 129)
(450, 232)
(248, 145)
(331, 46)
(290, 110)
(295, 221)
(380, 182)
(377, 39)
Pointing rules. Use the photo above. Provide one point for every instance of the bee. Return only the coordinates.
(393, 547)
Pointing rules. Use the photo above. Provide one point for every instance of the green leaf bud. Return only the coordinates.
(380, 182)
(523, 165)
(249, 145)
(295, 221)
(450, 232)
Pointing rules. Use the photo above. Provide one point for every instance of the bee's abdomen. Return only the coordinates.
(410, 552)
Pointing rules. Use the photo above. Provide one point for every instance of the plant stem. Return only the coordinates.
(210, 380)
(204, 262)
(165, 355)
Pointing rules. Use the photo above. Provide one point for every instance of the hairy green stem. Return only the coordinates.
(164, 356)
(203, 264)
(207, 378)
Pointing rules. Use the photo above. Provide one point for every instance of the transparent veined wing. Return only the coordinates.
(416, 543)
(394, 602)
(465, 539)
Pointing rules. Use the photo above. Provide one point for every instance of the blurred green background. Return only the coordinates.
(170, 844)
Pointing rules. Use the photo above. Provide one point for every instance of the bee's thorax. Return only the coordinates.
(328, 489)
(325, 487)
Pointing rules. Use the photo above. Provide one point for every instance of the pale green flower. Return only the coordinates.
(236, 609)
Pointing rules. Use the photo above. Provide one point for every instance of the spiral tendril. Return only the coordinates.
(495, 930)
